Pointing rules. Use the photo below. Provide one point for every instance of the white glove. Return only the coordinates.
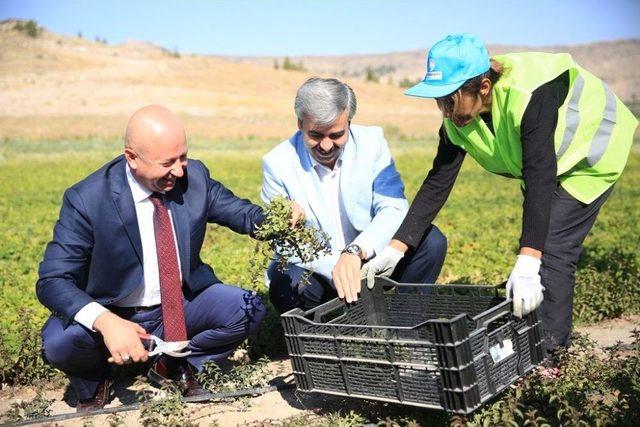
(524, 285)
(381, 265)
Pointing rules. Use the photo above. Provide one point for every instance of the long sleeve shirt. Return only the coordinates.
(539, 170)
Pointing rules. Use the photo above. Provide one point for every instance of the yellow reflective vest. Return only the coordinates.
(592, 138)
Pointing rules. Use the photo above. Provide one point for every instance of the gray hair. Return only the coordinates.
(323, 100)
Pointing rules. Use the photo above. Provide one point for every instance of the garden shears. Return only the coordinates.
(157, 346)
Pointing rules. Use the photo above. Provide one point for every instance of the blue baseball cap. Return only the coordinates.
(451, 62)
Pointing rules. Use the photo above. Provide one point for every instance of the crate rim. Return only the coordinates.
(301, 315)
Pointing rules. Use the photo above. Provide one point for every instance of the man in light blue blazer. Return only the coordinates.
(344, 178)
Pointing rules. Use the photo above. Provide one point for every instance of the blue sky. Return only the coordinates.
(330, 27)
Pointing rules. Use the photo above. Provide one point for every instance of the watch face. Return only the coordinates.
(353, 249)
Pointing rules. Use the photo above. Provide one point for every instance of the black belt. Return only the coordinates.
(133, 310)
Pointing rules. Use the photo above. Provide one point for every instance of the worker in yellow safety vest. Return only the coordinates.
(536, 117)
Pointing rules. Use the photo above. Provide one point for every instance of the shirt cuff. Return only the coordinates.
(88, 315)
(368, 248)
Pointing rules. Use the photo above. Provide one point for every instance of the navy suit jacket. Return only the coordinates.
(96, 253)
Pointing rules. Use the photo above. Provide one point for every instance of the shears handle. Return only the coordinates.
(148, 341)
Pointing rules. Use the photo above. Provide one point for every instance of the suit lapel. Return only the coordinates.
(348, 159)
(309, 179)
(123, 201)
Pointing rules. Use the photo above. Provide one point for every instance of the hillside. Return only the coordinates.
(617, 62)
(56, 86)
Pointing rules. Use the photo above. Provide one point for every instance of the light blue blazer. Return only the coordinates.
(370, 188)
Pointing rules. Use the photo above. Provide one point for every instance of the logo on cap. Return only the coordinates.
(432, 75)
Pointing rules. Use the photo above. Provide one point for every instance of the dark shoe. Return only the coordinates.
(180, 371)
(159, 372)
(187, 377)
(102, 397)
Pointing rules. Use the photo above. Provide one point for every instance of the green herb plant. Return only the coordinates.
(37, 407)
(163, 408)
(25, 366)
(116, 420)
(239, 377)
(302, 242)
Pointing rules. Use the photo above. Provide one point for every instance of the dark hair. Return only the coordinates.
(472, 86)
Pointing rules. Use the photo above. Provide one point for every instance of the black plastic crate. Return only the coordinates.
(450, 347)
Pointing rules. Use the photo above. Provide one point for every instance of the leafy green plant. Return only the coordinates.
(304, 420)
(26, 365)
(37, 407)
(304, 243)
(398, 422)
(116, 420)
(163, 408)
(277, 237)
(613, 274)
(350, 419)
(240, 376)
(211, 376)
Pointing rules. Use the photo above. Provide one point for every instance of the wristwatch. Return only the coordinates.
(354, 249)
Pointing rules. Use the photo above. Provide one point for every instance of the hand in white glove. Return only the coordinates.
(382, 264)
(524, 285)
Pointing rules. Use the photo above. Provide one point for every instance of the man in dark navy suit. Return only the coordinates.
(126, 247)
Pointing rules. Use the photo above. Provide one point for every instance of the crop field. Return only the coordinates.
(481, 220)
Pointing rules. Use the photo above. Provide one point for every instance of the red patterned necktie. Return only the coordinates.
(170, 283)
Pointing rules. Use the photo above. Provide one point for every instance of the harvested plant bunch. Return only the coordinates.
(302, 242)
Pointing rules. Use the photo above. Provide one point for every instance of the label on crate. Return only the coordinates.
(501, 351)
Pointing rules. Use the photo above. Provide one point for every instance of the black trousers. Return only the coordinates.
(570, 223)
(419, 265)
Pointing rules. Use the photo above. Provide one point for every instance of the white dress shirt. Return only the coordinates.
(330, 183)
(148, 292)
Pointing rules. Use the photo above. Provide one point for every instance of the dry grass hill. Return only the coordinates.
(55, 86)
(618, 62)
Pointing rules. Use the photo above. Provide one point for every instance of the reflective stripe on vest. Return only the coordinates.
(601, 139)
(572, 116)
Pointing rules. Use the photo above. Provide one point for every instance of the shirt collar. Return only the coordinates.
(138, 192)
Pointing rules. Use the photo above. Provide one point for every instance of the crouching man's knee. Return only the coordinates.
(69, 348)
(254, 310)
